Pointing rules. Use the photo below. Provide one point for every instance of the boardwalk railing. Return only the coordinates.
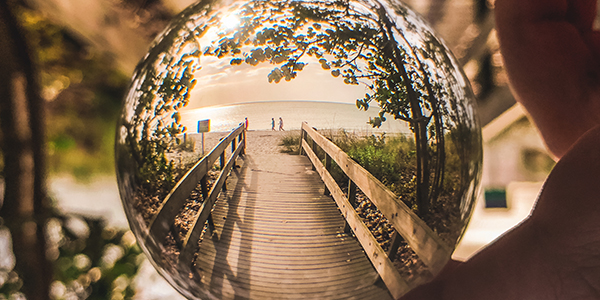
(423, 241)
(160, 225)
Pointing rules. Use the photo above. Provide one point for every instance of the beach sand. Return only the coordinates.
(257, 141)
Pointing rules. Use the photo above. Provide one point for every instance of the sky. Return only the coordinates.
(219, 83)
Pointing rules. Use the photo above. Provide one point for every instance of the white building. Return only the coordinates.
(515, 165)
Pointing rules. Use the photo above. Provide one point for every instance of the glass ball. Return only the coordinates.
(298, 149)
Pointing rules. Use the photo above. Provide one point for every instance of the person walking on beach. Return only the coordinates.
(246, 123)
(281, 124)
(273, 124)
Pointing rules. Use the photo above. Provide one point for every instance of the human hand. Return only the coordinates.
(552, 57)
(553, 255)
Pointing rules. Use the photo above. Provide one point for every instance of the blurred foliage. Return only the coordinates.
(185, 145)
(83, 92)
(91, 260)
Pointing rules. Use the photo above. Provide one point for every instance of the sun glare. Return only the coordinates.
(230, 21)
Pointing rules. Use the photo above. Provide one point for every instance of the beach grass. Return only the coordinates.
(290, 143)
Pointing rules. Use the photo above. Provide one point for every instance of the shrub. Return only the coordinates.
(187, 145)
(391, 159)
(290, 143)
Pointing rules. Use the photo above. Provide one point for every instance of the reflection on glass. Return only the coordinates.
(230, 94)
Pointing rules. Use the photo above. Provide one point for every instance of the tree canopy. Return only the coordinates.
(382, 46)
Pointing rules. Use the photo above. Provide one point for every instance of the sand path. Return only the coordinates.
(258, 141)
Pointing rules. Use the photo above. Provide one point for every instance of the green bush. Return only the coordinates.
(156, 172)
(187, 145)
(290, 143)
(391, 159)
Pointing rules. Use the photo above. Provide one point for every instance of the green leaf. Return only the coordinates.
(176, 116)
(299, 66)
(275, 75)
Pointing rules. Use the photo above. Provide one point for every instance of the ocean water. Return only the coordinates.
(321, 115)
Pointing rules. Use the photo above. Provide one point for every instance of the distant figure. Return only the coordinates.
(273, 124)
(246, 123)
(281, 124)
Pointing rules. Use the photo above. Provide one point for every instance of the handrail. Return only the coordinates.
(161, 223)
(422, 239)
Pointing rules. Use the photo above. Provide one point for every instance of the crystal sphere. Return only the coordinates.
(298, 150)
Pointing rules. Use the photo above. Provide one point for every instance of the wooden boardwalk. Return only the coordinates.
(281, 238)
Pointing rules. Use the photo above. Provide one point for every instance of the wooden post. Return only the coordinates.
(394, 245)
(233, 145)
(352, 193)
(302, 135)
(222, 163)
(203, 144)
(243, 135)
(205, 195)
(351, 199)
(314, 149)
(204, 186)
(328, 168)
(347, 228)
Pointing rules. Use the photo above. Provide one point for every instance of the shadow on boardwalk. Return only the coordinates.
(281, 238)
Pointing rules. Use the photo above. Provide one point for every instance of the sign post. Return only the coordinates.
(203, 126)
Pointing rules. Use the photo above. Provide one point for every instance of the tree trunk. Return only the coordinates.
(419, 122)
(25, 206)
(440, 151)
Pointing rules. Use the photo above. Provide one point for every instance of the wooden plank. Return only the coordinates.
(388, 273)
(262, 254)
(174, 201)
(191, 240)
(422, 239)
